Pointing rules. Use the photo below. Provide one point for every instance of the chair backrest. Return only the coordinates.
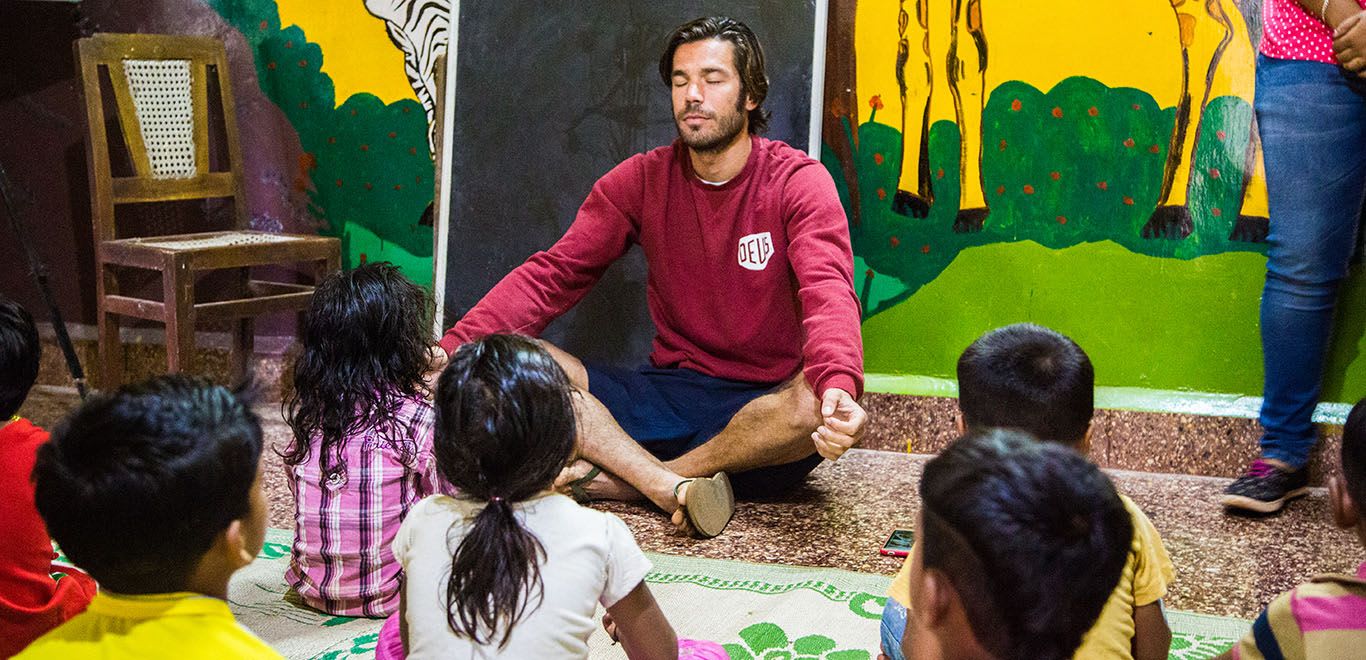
(160, 87)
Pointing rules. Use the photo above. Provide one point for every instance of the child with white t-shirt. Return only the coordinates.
(509, 568)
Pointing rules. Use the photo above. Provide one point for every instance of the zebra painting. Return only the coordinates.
(419, 29)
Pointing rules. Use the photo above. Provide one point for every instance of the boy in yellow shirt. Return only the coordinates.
(155, 490)
(1039, 381)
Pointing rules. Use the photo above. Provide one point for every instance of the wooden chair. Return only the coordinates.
(161, 98)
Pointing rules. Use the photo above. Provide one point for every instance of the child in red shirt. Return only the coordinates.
(31, 602)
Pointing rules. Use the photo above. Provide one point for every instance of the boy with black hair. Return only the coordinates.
(1020, 545)
(1325, 617)
(1039, 381)
(156, 491)
(31, 602)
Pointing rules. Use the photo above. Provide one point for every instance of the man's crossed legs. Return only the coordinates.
(671, 425)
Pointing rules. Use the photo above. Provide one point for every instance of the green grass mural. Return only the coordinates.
(371, 175)
(1071, 177)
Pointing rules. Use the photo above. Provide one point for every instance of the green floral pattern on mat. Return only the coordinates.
(858, 600)
(767, 641)
(1188, 646)
(361, 646)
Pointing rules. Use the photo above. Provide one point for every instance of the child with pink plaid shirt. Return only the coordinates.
(361, 455)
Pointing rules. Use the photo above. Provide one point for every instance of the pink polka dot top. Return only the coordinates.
(1291, 33)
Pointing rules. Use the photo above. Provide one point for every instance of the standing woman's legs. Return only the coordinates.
(1313, 132)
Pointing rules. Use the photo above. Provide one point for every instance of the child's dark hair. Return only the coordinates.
(135, 485)
(20, 351)
(1354, 454)
(365, 350)
(504, 429)
(1027, 377)
(1032, 536)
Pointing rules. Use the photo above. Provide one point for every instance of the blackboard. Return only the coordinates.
(545, 97)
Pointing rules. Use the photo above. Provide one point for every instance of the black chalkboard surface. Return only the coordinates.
(548, 96)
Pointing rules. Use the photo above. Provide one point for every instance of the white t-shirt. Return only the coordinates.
(590, 558)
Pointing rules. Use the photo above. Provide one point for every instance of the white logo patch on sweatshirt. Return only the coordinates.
(755, 250)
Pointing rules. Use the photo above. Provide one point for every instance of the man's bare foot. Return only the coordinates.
(603, 486)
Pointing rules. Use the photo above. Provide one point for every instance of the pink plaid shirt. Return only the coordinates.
(1291, 33)
(341, 562)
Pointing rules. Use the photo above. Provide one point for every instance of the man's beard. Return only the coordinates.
(728, 126)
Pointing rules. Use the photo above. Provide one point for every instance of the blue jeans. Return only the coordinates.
(893, 629)
(1312, 119)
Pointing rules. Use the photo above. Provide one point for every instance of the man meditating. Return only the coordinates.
(757, 361)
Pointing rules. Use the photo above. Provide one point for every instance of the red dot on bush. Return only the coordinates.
(1128, 201)
(1062, 219)
(1028, 189)
(1214, 173)
(1000, 190)
(894, 241)
(1155, 149)
(881, 193)
(1016, 105)
(925, 249)
(1055, 175)
(1129, 142)
(1217, 211)
(1057, 112)
(1003, 145)
(1102, 185)
(939, 173)
(877, 158)
(1092, 111)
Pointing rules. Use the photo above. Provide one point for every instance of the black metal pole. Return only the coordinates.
(38, 270)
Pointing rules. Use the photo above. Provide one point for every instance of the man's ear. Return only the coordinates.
(1346, 513)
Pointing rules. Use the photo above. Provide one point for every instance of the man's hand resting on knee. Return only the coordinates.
(842, 424)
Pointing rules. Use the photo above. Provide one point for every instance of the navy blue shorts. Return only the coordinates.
(670, 412)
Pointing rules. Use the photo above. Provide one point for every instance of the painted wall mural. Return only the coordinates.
(1090, 166)
(366, 166)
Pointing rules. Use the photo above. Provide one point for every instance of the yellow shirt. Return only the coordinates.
(1144, 581)
(175, 625)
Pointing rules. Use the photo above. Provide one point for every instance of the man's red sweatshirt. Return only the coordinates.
(748, 280)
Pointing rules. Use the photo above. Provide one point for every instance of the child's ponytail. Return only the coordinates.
(495, 573)
(504, 429)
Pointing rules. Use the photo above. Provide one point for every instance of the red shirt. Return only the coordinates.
(749, 280)
(31, 602)
(1291, 33)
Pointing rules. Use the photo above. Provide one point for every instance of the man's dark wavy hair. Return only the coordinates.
(749, 60)
(1032, 536)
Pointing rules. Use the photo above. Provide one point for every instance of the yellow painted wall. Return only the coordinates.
(1129, 43)
(357, 52)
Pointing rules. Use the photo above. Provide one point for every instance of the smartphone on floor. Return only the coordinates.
(899, 543)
